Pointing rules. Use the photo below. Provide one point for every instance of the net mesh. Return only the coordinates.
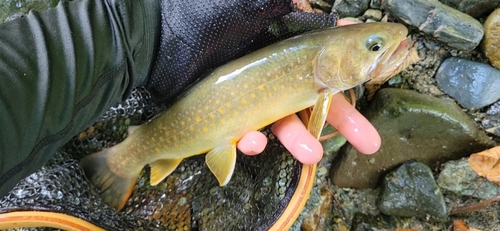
(188, 199)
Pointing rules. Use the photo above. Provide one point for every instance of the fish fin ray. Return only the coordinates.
(221, 161)
(114, 190)
(319, 113)
(160, 169)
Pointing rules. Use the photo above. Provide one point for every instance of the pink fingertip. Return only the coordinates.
(252, 143)
(343, 22)
(354, 126)
(296, 139)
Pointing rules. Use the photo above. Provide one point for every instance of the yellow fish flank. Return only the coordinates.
(245, 95)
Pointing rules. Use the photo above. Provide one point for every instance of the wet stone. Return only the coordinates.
(314, 220)
(350, 8)
(373, 14)
(457, 177)
(411, 191)
(474, 8)
(491, 41)
(362, 222)
(452, 27)
(472, 84)
(412, 126)
(375, 4)
(333, 144)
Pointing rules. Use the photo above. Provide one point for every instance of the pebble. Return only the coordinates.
(472, 84)
(314, 220)
(364, 222)
(452, 27)
(350, 8)
(333, 144)
(412, 126)
(458, 177)
(373, 14)
(491, 41)
(474, 8)
(411, 191)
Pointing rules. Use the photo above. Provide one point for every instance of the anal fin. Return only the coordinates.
(221, 161)
(319, 113)
(162, 168)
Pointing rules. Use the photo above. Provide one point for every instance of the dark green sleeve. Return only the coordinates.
(61, 69)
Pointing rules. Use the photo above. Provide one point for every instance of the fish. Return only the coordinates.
(245, 95)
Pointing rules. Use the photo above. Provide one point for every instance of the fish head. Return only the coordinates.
(360, 52)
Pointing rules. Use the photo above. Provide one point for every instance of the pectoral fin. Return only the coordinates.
(162, 168)
(319, 113)
(221, 161)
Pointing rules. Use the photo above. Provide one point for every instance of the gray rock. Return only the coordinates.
(472, 84)
(474, 8)
(363, 222)
(412, 126)
(452, 27)
(410, 191)
(350, 8)
(333, 144)
(458, 177)
(375, 4)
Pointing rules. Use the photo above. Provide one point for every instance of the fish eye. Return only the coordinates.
(375, 43)
(376, 47)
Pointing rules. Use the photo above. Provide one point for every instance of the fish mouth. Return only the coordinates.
(401, 57)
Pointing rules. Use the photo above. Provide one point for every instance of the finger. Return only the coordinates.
(296, 139)
(353, 126)
(252, 143)
(343, 22)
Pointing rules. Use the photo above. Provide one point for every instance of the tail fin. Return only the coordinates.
(115, 190)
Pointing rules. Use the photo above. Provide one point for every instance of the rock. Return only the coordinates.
(333, 144)
(350, 8)
(315, 220)
(375, 4)
(412, 126)
(491, 41)
(373, 14)
(411, 191)
(474, 8)
(362, 222)
(490, 121)
(458, 177)
(472, 84)
(452, 27)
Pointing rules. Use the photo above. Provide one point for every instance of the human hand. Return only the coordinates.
(306, 148)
